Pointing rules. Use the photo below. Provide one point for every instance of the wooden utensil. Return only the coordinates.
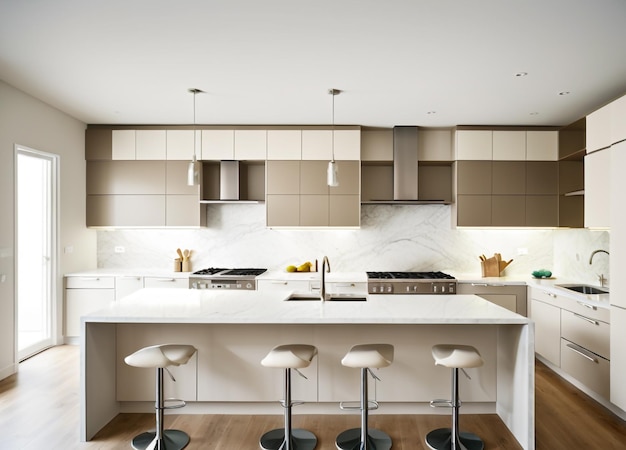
(180, 253)
(186, 254)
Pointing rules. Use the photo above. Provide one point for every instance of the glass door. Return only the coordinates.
(36, 249)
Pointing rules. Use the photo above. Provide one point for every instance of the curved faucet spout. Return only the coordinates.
(593, 253)
(325, 263)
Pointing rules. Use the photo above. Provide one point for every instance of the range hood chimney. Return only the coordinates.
(405, 167)
(229, 180)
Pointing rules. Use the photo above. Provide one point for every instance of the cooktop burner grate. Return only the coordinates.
(409, 275)
(245, 272)
(209, 271)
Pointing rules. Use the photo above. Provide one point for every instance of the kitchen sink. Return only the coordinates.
(298, 296)
(584, 289)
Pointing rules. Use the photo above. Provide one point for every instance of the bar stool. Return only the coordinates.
(160, 357)
(365, 357)
(293, 356)
(455, 357)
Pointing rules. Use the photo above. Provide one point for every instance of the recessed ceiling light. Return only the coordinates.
(521, 74)
(431, 112)
(564, 93)
(534, 113)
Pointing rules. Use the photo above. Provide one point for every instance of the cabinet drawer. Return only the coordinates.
(276, 285)
(570, 304)
(344, 287)
(166, 282)
(86, 282)
(591, 370)
(589, 333)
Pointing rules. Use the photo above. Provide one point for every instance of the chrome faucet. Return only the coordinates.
(593, 254)
(601, 277)
(325, 262)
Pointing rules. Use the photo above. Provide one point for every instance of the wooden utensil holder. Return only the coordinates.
(490, 268)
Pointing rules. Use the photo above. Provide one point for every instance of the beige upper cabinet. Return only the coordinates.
(599, 129)
(618, 120)
(250, 145)
(348, 145)
(123, 145)
(474, 145)
(433, 145)
(284, 144)
(597, 189)
(98, 144)
(218, 144)
(542, 145)
(151, 145)
(317, 145)
(509, 145)
(182, 146)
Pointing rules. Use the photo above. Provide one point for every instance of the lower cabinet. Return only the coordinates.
(511, 296)
(574, 336)
(83, 295)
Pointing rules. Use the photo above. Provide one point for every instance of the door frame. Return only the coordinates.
(54, 246)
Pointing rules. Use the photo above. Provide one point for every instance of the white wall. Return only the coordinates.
(29, 122)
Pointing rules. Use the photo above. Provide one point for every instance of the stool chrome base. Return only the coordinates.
(172, 440)
(441, 439)
(351, 440)
(300, 440)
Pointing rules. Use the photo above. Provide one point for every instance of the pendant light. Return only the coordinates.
(193, 171)
(332, 172)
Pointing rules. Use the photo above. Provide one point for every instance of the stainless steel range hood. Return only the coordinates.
(229, 180)
(405, 170)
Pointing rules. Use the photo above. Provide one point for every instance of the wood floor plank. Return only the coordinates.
(39, 408)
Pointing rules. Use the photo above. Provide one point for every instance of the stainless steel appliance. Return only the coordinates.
(227, 279)
(410, 283)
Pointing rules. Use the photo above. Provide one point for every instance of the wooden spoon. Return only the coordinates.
(180, 253)
(186, 254)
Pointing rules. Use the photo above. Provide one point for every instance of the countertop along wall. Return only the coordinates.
(390, 238)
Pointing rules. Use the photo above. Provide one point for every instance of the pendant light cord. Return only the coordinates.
(333, 117)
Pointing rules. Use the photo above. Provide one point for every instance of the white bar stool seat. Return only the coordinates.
(287, 357)
(365, 357)
(161, 357)
(455, 357)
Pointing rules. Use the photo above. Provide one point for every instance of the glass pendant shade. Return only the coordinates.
(193, 172)
(331, 174)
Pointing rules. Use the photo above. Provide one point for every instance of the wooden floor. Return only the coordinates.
(39, 409)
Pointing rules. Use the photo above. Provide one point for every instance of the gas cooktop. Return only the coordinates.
(227, 279)
(410, 283)
(410, 275)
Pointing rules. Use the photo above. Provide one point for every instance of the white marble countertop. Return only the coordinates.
(135, 272)
(254, 307)
(337, 277)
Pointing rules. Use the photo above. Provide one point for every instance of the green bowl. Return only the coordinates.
(542, 273)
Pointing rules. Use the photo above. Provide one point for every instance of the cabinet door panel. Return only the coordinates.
(250, 144)
(123, 145)
(126, 210)
(284, 144)
(317, 145)
(474, 145)
(125, 177)
(474, 177)
(98, 144)
(547, 330)
(349, 178)
(79, 302)
(345, 211)
(591, 370)
(618, 120)
(542, 211)
(509, 145)
(597, 188)
(377, 145)
(313, 210)
(218, 144)
(181, 145)
(473, 210)
(599, 129)
(509, 178)
(182, 211)
(283, 210)
(176, 179)
(542, 145)
(348, 145)
(542, 177)
(313, 177)
(151, 144)
(508, 210)
(283, 177)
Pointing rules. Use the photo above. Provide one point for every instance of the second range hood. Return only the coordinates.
(406, 169)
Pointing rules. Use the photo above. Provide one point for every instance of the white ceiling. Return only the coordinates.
(272, 62)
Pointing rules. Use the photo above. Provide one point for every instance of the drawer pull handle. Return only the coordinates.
(480, 284)
(284, 283)
(587, 305)
(345, 285)
(90, 278)
(572, 348)
(587, 319)
(550, 294)
(165, 280)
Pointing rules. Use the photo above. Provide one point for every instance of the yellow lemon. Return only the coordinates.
(291, 269)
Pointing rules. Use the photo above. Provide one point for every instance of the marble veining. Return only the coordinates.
(394, 237)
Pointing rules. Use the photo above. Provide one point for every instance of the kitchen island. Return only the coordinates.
(234, 330)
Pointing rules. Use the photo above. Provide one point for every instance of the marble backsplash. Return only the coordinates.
(390, 238)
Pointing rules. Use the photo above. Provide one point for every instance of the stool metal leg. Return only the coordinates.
(363, 438)
(452, 438)
(160, 439)
(287, 438)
